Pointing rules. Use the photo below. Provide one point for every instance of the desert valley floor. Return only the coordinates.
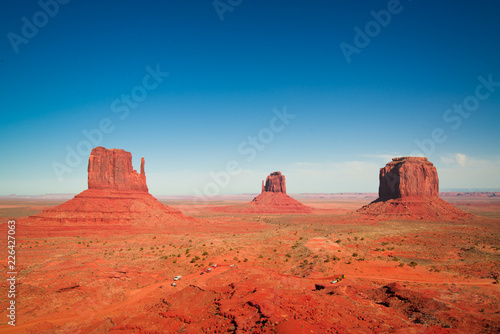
(273, 273)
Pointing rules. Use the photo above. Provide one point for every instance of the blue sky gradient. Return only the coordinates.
(227, 76)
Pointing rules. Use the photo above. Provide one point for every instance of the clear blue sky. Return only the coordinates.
(228, 68)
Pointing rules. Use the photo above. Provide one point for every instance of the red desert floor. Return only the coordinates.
(273, 272)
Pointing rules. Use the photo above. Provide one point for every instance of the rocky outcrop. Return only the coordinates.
(275, 183)
(274, 198)
(409, 189)
(408, 177)
(117, 196)
(112, 169)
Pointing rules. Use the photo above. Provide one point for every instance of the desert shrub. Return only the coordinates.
(338, 241)
(205, 253)
(246, 260)
(287, 255)
(354, 254)
(413, 264)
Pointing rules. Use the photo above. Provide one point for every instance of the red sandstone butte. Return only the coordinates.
(274, 198)
(116, 195)
(275, 183)
(408, 177)
(112, 169)
(409, 188)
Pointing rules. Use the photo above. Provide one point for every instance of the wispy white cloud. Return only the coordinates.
(456, 159)
(462, 171)
(461, 159)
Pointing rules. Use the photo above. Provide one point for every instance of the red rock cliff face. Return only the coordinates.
(275, 183)
(112, 169)
(408, 177)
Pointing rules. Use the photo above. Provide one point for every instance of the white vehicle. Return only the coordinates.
(334, 281)
(173, 284)
(215, 266)
(176, 278)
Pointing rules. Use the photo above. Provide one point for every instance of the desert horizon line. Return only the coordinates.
(444, 191)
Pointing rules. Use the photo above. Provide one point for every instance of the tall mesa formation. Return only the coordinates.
(273, 197)
(112, 169)
(409, 188)
(116, 196)
(408, 177)
(275, 183)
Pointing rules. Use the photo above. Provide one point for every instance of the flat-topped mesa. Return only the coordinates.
(275, 183)
(408, 177)
(409, 189)
(112, 169)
